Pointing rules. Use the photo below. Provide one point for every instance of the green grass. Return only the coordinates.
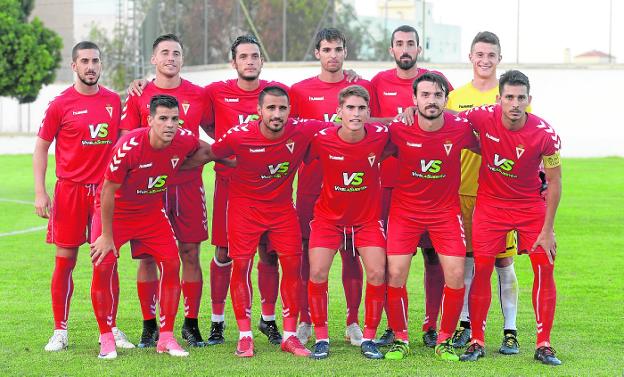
(590, 310)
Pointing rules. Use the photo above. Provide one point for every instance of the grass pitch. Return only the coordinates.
(586, 334)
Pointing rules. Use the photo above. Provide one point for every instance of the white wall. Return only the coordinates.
(580, 103)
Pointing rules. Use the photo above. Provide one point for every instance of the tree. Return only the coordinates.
(30, 53)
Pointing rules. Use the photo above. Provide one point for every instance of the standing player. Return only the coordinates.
(426, 200)
(267, 151)
(129, 208)
(349, 157)
(394, 93)
(185, 200)
(235, 102)
(485, 54)
(316, 98)
(513, 145)
(84, 120)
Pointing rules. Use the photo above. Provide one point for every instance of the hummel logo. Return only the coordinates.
(80, 112)
(316, 98)
(256, 150)
(492, 137)
(231, 99)
(337, 158)
(389, 93)
(145, 166)
(415, 145)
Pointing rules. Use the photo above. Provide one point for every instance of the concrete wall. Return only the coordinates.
(58, 15)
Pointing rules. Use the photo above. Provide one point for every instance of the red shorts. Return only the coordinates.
(150, 234)
(72, 210)
(219, 209)
(490, 226)
(248, 221)
(331, 236)
(445, 228)
(186, 208)
(305, 212)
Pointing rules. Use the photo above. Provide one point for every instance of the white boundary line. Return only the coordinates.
(28, 230)
(16, 201)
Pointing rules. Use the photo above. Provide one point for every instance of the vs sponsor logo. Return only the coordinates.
(353, 179)
(503, 163)
(98, 133)
(431, 166)
(331, 118)
(429, 169)
(156, 182)
(352, 182)
(246, 119)
(277, 170)
(503, 166)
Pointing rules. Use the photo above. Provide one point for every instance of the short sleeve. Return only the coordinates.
(120, 163)
(51, 123)
(477, 116)
(223, 147)
(131, 114)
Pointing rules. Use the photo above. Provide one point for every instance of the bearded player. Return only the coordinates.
(426, 200)
(84, 121)
(394, 93)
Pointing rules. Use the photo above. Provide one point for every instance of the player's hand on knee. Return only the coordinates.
(100, 248)
(136, 87)
(43, 205)
(546, 240)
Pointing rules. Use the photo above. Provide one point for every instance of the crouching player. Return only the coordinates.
(514, 144)
(348, 207)
(426, 199)
(129, 208)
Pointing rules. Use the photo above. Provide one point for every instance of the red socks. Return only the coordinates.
(169, 298)
(544, 297)
(192, 291)
(397, 306)
(291, 267)
(434, 285)
(61, 289)
(480, 296)
(304, 310)
(452, 303)
(268, 285)
(317, 296)
(103, 296)
(374, 304)
(148, 298)
(352, 281)
(242, 292)
(219, 283)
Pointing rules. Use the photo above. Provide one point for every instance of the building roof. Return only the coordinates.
(592, 54)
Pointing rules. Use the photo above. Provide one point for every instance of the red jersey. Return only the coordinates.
(232, 105)
(193, 113)
(350, 171)
(266, 168)
(85, 128)
(145, 172)
(316, 99)
(510, 160)
(394, 94)
(430, 164)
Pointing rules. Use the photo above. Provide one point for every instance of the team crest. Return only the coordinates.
(174, 161)
(109, 110)
(371, 159)
(290, 144)
(185, 106)
(448, 146)
(519, 150)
